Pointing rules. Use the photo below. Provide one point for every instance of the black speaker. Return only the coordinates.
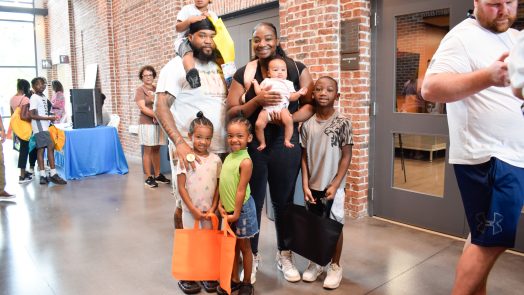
(87, 108)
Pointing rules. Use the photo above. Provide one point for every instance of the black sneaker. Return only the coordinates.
(210, 286)
(234, 287)
(189, 287)
(43, 180)
(161, 178)
(246, 289)
(193, 78)
(56, 179)
(150, 181)
(24, 179)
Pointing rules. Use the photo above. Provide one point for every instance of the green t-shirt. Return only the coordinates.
(229, 178)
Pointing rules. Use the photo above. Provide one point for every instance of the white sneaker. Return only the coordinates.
(285, 264)
(333, 277)
(254, 269)
(312, 272)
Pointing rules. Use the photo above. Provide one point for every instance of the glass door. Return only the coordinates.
(413, 182)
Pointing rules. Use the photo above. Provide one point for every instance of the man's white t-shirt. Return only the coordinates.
(210, 98)
(489, 123)
(39, 103)
(184, 13)
(516, 63)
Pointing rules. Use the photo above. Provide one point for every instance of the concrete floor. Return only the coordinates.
(110, 235)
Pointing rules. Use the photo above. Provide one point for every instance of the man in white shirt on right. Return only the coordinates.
(486, 127)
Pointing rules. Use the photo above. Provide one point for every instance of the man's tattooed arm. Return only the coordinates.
(162, 109)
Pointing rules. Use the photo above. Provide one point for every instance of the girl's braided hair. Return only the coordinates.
(240, 119)
(201, 121)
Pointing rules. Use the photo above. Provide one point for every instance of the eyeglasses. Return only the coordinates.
(149, 75)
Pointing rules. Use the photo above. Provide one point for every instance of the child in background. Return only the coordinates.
(198, 188)
(276, 81)
(327, 141)
(40, 121)
(189, 14)
(236, 203)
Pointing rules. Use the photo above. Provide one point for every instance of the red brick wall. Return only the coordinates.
(355, 102)
(121, 36)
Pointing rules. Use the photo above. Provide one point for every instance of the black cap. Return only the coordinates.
(204, 24)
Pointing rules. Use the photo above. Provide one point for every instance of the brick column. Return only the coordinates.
(310, 32)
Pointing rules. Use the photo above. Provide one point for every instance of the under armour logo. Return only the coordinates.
(483, 223)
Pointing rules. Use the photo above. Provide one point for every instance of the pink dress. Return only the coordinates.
(58, 108)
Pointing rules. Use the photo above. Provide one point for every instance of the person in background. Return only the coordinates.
(21, 99)
(3, 194)
(40, 121)
(58, 102)
(470, 74)
(275, 165)
(150, 135)
(413, 101)
(516, 67)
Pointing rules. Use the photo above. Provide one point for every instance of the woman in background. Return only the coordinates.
(150, 135)
(58, 101)
(21, 99)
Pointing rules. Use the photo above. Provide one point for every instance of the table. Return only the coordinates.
(91, 151)
(428, 143)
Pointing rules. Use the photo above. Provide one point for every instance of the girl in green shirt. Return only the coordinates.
(236, 204)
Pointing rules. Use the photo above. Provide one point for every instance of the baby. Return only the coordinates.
(276, 81)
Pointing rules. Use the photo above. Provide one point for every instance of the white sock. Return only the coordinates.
(53, 172)
(42, 173)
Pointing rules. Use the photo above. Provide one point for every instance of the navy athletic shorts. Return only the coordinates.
(493, 195)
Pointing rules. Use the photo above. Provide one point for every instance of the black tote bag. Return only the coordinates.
(309, 235)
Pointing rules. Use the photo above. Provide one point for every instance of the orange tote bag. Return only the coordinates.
(196, 253)
(227, 256)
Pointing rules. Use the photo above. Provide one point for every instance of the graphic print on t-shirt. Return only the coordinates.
(338, 130)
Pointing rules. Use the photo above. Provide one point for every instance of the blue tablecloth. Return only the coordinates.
(91, 151)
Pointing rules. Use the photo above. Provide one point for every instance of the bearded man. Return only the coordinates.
(486, 127)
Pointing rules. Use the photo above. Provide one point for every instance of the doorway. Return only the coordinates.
(413, 182)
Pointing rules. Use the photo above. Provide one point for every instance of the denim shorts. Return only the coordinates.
(493, 195)
(246, 226)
